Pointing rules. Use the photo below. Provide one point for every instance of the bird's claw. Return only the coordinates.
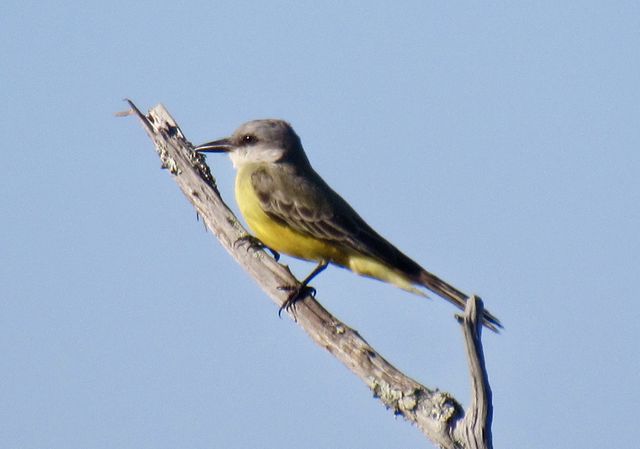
(255, 243)
(298, 292)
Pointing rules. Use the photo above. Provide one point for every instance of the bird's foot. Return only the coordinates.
(298, 292)
(253, 242)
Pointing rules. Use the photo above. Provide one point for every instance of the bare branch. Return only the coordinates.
(437, 414)
(475, 428)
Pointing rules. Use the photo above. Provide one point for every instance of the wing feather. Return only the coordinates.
(308, 205)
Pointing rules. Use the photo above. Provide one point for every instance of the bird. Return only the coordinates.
(292, 210)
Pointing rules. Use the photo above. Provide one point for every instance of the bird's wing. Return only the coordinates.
(308, 205)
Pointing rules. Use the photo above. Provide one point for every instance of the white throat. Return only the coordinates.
(248, 155)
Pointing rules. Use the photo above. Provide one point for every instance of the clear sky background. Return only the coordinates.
(497, 143)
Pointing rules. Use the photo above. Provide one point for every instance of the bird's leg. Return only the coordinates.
(255, 243)
(301, 290)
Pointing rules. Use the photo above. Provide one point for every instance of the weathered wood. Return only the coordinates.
(437, 414)
(475, 428)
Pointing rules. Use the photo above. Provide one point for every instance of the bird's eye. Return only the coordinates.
(249, 139)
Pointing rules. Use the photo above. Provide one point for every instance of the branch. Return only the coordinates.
(437, 414)
(475, 428)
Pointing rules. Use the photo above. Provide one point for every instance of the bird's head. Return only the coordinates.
(259, 141)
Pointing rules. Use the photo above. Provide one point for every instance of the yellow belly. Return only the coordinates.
(284, 239)
(275, 234)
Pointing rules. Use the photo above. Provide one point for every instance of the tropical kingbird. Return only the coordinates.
(292, 210)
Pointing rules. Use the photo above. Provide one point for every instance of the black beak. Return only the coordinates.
(217, 146)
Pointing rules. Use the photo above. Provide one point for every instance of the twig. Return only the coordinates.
(437, 414)
(475, 428)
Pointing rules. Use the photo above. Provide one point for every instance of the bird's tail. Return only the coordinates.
(455, 297)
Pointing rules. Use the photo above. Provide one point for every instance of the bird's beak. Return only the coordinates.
(217, 146)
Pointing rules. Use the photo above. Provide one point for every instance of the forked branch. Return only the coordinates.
(437, 414)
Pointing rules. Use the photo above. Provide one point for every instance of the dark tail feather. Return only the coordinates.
(455, 297)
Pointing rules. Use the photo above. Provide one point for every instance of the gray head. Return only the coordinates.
(269, 140)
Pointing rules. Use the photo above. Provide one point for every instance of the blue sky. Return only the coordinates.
(496, 143)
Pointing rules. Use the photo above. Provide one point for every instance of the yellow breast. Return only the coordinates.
(276, 234)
